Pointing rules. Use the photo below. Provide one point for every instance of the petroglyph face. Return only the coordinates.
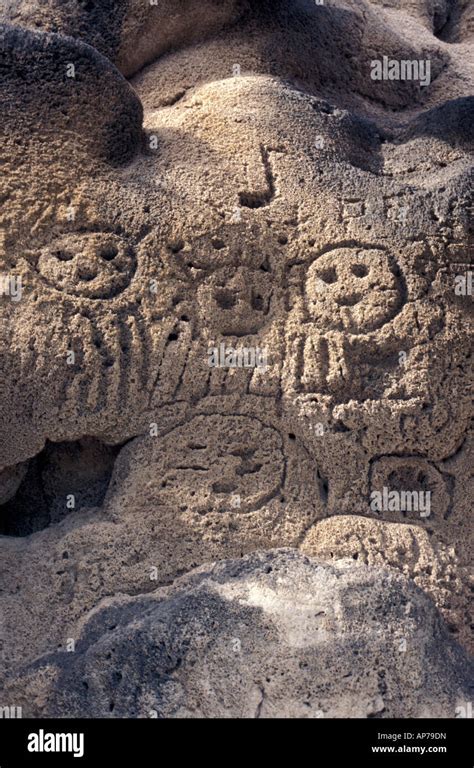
(225, 193)
(220, 463)
(408, 476)
(95, 265)
(356, 290)
(236, 304)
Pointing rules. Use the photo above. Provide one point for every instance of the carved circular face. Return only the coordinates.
(410, 487)
(218, 463)
(353, 289)
(97, 265)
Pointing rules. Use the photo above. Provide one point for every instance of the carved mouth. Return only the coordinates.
(349, 301)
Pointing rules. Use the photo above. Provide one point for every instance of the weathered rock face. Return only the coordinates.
(274, 634)
(130, 33)
(250, 187)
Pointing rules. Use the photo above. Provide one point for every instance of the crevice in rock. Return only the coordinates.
(444, 25)
(263, 197)
(63, 479)
(258, 710)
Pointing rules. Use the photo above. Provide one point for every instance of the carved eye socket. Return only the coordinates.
(359, 270)
(225, 299)
(328, 275)
(257, 302)
(109, 252)
(63, 255)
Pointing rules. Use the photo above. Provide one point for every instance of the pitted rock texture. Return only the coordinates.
(208, 486)
(352, 290)
(249, 185)
(409, 549)
(10, 480)
(129, 32)
(95, 266)
(274, 634)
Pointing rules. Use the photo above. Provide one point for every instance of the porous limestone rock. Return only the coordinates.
(273, 634)
(249, 185)
(130, 33)
(409, 549)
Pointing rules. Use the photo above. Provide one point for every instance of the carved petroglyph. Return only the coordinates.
(93, 265)
(239, 190)
(236, 304)
(210, 459)
(349, 293)
(409, 488)
(356, 290)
